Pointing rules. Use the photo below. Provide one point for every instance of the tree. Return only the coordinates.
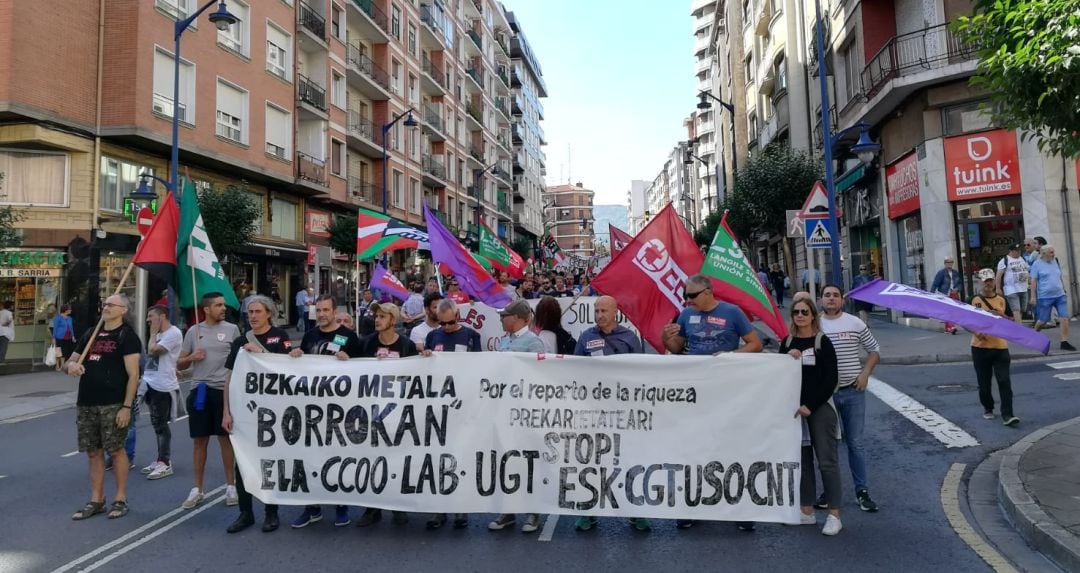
(1029, 62)
(231, 216)
(9, 235)
(343, 235)
(523, 245)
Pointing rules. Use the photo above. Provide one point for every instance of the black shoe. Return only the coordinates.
(461, 520)
(436, 521)
(243, 522)
(1066, 346)
(865, 503)
(370, 517)
(747, 526)
(401, 518)
(821, 503)
(684, 523)
(270, 522)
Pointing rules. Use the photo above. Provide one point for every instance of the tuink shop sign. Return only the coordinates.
(981, 165)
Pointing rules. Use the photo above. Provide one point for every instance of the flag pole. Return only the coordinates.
(101, 321)
(356, 287)
(194, 299)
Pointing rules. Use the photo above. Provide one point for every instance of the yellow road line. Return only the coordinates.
(950, 502)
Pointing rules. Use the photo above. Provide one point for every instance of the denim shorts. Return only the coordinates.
(1043, 306)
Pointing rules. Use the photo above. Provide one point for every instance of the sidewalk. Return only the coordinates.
(1039, 487)
(24, 395)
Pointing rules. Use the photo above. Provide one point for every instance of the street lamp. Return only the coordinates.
(478, 176)
(865, 149)
(409, 122)
(703, 104)
(221, 18)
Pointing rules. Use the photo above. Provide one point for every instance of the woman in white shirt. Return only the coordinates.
(546, 321)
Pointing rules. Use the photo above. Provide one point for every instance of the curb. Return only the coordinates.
(1034, 525)
(949, 358)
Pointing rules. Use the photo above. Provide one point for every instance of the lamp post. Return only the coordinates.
(409, 122)
(221, 18)
(478, 175)
(703, 103)
(864, 148)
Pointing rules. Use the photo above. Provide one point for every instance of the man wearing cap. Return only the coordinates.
(1012, 280)
(947, 282)
(990, 354)
(515, 321)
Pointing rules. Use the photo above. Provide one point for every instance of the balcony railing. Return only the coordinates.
(924, 49)
(477, 153)
(503, 74)
(500, 104)
(429, 18)
(501, 41)
(361, 190)
(312, 20)
(476, 112)
(358, 58)
(360, 126)
(434, 167)
(310, 168)
(311, 92)
(432, 117)
(435, 71)
(503, 206)
(368, 7)
(475, 73)
(476, 39)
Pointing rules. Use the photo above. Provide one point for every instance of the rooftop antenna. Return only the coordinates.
(569, 166)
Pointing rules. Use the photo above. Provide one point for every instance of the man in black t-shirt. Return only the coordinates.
(329, 339)
(108, 381)
(267, 338)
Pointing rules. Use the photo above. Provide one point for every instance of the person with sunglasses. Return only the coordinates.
(450, 336)
(329, 339)
(821, 428)
(454, 292)
(708, 326)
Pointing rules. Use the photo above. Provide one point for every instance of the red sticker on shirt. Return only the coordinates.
(288, 344)
(716, 320)
(438, 348)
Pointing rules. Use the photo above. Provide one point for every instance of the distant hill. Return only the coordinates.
(617, 215)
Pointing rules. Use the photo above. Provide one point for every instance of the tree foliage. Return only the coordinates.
(343, 235)
(1029, 61)
(771, 183)
(522, 245)
(9, 235)
(231, 216)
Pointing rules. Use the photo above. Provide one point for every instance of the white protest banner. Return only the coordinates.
(631, 435)
(577, 318)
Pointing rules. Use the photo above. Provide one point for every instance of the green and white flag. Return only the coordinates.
(198, 270)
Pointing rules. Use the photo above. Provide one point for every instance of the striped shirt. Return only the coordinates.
(848, 334)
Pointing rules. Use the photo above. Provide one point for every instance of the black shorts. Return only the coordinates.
(208, 421)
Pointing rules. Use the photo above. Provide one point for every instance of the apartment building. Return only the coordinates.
(706, 186)
(568, 213)
(529, 161)
(635, 203)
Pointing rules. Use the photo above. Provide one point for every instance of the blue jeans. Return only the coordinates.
(851, 404)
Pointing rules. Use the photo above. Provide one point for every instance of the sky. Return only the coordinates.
(620, 81)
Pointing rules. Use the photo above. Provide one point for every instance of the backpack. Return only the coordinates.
(564, 342)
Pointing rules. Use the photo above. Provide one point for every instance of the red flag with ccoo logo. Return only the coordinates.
(648, 276)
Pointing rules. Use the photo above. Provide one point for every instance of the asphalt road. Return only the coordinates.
(40, 488)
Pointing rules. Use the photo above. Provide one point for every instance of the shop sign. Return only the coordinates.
(982, 165)
(312, 254)
(32, 258)
(318, 223)
(902, 185)
(29, 273)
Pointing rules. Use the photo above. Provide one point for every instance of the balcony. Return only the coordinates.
(503, 207)
(372, 23)
(504, 75)
(434, 171)
(476, 116)
(500, 41)
(433, 124)
(517, 105)
(475, 71)
(370, 79)
(914, 52)
(310, 169)
(476, 39)
(515, 132)
(515, 76)
(363, 193)
(364, 135)
(477, 154)
(312, 22)
(431, 33)
(433, 78)
(311, 93)
(500, 104)
(519, 162)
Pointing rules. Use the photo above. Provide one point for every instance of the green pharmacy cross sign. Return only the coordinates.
(131, 208)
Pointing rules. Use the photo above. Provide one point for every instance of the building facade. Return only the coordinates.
(568, 213)
(529, 161)
(635, 203)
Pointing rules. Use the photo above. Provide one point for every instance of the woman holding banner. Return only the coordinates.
(821, 427)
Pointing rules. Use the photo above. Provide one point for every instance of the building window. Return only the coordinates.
(337, 158)
(260, 201)
(751, 127)
(163, 87)
(237, 37)
(36, 178)
(278, 132)
(278, 44)
(414, 196)
(395, 22)
(232, 105)
(967, 117)
(335, 22)
(414, 93)
(338, 91)
(398, 199)
(781, 73)
(412, 39)
(851, 71)
(283, 219)
(118, 179)
(178, 9)
(395, 76)
(748, 69)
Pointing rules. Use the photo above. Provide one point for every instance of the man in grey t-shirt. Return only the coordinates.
(206, 347)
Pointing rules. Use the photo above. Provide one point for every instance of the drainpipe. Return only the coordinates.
(94, 267)
(1068, 230)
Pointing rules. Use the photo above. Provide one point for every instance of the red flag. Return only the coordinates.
(649, 276)
(157, 251)
(619, 239)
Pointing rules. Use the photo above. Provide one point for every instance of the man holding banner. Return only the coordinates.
(708, 326)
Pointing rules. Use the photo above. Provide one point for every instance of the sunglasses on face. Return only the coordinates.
(692, 295)
(448, 322)
(801, 312)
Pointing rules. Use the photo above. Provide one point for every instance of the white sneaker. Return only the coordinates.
(832, 525)
(194, 497)
(161, 471)
(150, 468)
(807, 519)
(231, 498)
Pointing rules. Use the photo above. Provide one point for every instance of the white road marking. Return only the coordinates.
(1068, 376)
(1063, 365)
(184, 417)
(549, 528)
(69, 454)
(149, 526)
(945, 431)
(2, 477)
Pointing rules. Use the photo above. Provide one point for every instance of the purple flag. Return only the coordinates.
(386, 282)
(941, 307)
(476, 281)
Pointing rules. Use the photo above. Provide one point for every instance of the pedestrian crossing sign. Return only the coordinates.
(818, 233)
